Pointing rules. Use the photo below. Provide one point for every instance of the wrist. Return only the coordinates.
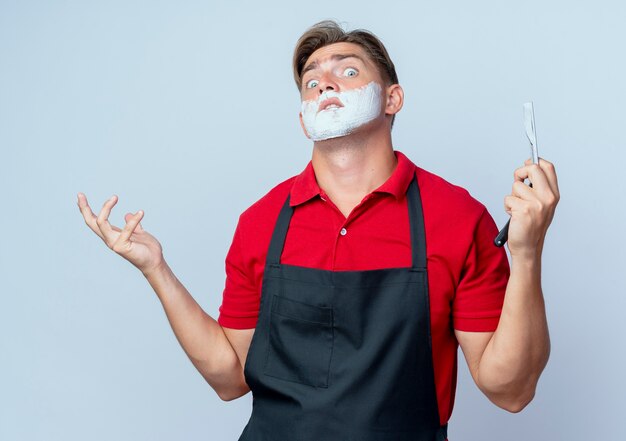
(157, 271)
(530, 254)
(527, 266)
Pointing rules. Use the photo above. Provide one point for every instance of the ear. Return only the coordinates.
(395, 99)
(302, 125)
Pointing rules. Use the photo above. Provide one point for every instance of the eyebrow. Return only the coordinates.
(314, 65)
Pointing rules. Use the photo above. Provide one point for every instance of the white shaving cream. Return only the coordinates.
(360, 106)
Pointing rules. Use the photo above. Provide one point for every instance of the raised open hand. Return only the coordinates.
(133, 243)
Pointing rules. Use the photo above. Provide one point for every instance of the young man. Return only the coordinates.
(350, 286)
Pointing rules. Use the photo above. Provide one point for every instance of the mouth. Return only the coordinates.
(330, 103)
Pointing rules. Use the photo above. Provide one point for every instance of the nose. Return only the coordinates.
(327, 82)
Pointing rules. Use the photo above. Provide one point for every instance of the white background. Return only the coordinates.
(188, 111)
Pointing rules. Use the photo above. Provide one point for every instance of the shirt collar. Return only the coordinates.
(305, 185)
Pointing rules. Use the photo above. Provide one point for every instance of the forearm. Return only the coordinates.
(200, 336)
(519, 349)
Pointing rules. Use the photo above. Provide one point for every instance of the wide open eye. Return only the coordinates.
(350, 72)
(311, 84)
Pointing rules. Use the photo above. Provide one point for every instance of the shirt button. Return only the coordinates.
(343, 232)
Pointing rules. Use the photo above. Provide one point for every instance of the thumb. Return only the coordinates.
(129, 216)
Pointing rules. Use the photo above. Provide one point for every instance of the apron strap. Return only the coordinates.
(416, 222)
(280, 233)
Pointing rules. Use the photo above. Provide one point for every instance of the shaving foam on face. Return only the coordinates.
(360, 106)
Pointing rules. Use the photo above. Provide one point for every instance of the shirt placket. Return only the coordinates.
(342, 226)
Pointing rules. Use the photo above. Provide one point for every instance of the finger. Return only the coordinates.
(88, 215)
(523, 191)
(123, 241)
(538, 181)
(507, 204)
(550, 172)
(535, 175)
(521, 173)
(108, 231)
(139, 228)
(510, 201)
(514, 204)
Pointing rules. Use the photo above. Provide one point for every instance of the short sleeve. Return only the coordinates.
(479, 295)
(241, 296)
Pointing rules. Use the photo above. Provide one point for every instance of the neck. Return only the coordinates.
(349, 167)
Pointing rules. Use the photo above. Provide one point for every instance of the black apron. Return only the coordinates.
(343, 355)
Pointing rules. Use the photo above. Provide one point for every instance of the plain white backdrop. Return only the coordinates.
(188, 111)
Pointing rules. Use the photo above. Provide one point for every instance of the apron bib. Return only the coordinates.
(343, 355)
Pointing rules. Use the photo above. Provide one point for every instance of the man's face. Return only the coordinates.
(329, 73)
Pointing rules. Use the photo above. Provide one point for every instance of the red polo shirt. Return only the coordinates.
(467, 273)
